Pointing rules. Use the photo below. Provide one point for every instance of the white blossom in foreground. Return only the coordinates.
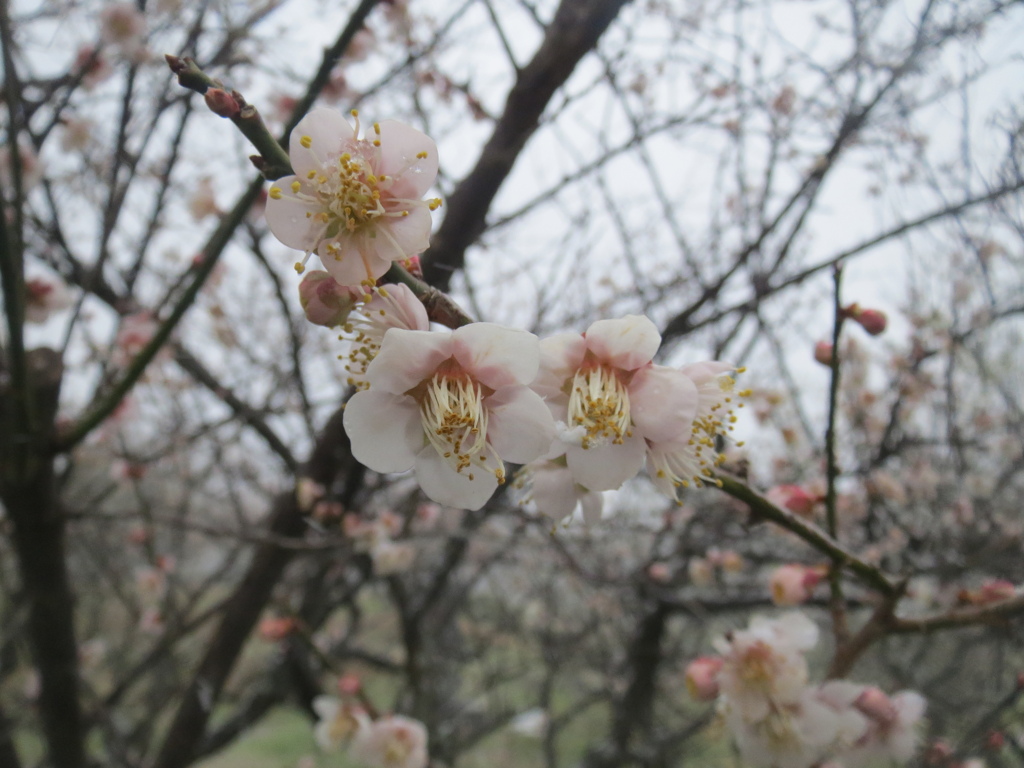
(338, 722)
(689, 457)
(391, 742)
(355, 202)
(453, 406)
(608, 398)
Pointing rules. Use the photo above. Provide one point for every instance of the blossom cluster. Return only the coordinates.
(779, 720)
(385, 742)
(586, 411)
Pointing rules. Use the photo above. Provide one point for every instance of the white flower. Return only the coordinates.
(609, 398)
(391, 306)
(690, 457)
(338, 722)
(390, 557)
(452, 405)
(533, 723)
(392, 742)
(763, 666)
(355, 202)
(892, 732)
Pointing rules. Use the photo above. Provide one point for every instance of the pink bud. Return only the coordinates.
(659, 572)
(873, 703)
(792, 584)
(871, 320)
(994, 591)
(325, 301)
(349, 685)
(702, 678)
(823, 353)
(273, 629)
(221, 102)
(795, 498)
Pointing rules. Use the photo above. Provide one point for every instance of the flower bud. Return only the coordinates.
(325, 301)
(273, 628)
(823, 353)
(702, 678)
(871, 320)
(793, 584)
(873, 703)
(221, 102)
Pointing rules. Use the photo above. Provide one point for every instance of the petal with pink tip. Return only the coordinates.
(496, 356)
(328, 131)
(399, 146)
(662, 403)
(385, 430)
(454, 489)
(286, 217)
(560, 356)
(408, 357)
(702, 373)
(519, 427)
(626, 343)
(606, 467)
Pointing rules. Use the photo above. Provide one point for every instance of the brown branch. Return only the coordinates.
(574, 31)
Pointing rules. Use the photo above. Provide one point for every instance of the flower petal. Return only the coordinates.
(662, 403)
(553, 491)
(352, 259)
(327, 130)
(497, 356)
(450, 488)
(702, 373)
(400, 237)
(399, 146)
(520, 427)
(287, 220)
(408, 357)
(606, 467)
(384, 429)
(560, 356)
(626, 343)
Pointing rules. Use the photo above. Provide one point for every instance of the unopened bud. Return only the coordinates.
(702, 678)
(871, 320)
(823, 353)
(221, 102)
(995, 740)
(349, 685)
(873, 703)
(325, 301)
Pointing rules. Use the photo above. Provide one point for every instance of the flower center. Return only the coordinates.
(599, 403)
(757, 669)
(455, 420)
(350, 193)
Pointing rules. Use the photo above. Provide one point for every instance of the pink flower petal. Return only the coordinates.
(520, 427)
(702, 373)
(399, 146)
(560, 356)
(450, 488)
(554, 491)
(408, 357)
(328, 130)
(385, 430)
(606, 467)
(497, 356)
(662, 403)
(626, 343)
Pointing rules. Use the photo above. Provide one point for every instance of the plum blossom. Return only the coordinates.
(123, 26)
(134, 334)
(452, 405)
(391, 557)
(679, 459)
(702, 678)
(391, 306)
(763, 666)
(892, 730)
(338, 722)
(355, 202)
(793, 584)
(391, 742)
(608, 398)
